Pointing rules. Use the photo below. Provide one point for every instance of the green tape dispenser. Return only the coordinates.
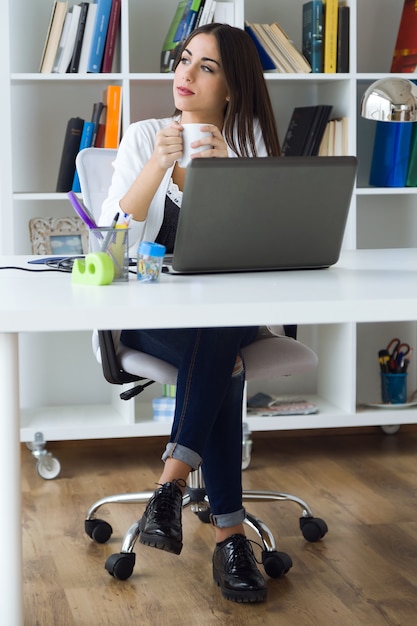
(96, 269)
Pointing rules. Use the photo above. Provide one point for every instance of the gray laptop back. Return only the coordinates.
(245, 214)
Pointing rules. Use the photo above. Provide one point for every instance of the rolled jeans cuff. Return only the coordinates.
(226, 520)
(181, 453)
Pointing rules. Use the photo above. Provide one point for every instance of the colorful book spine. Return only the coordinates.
(391, 154)
(113, 116)
(111, 39)
(405, 51)
(99, 36)
(312, 35)
(343, 35)
(331, 10)
(85, 142)
(70, 150)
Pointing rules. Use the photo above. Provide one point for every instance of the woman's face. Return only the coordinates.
(200, 89)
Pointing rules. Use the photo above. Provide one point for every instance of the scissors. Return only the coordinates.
(397, 352)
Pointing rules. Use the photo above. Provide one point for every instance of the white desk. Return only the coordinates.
(365, 286)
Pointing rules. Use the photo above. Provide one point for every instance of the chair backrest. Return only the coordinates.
(95, 170)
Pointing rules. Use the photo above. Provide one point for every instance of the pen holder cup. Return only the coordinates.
(115, 243)
(394, 388)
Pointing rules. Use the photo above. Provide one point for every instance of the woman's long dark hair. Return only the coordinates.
(249, 96)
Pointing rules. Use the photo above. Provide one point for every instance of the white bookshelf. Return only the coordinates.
(74, 401)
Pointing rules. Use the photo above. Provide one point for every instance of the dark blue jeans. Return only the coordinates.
(207, 427)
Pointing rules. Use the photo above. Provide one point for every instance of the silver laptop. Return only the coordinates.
(255, 214)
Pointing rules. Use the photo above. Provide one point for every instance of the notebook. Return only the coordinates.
(256, 214)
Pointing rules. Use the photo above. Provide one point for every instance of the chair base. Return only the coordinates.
(276, 564)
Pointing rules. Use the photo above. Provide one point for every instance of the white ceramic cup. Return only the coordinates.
(190, 134)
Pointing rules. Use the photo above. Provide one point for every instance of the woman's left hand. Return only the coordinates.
(218, 146)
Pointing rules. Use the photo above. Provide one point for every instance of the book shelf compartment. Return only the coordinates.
(42, 103)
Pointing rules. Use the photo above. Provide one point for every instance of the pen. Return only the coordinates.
(109, 234)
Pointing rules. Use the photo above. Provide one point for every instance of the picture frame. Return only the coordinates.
(64, 236)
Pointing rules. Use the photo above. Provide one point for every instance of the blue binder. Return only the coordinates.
(391, 154)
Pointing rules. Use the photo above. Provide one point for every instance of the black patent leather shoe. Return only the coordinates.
(160, 526)
(235, 571)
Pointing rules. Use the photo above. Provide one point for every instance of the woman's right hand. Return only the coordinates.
(168, 145)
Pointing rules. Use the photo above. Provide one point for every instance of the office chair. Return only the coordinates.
(273, 355)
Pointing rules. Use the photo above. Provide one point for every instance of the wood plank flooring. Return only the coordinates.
(364, 572)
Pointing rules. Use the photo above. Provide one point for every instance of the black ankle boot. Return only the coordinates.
(160, 526)
(235, 571)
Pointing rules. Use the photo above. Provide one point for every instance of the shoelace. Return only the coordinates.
(166, 495)
(240, 559)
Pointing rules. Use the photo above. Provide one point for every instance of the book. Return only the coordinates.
(113, 101)
(111, 39)
(305, 130)
(330, 8)
(96, 118)
(169, 45)
(280, 38)
(267, 62)
(404, 57)
(98, 41)
(183, 23)
(411, 180)
(75, 59)
(87, 38)
(85, 142)
(224, 12)
(62, 42)
(390, 156)
(56, 24)
(70, 150)
(276, 50)
(68, 45)
(343, 35)
(312, 34)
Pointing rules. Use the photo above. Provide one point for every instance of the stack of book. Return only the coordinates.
(325, 35)
(276, 51)
(306, 130)
(103, 130)
(335, 140)
(82, 38)
(189, 15)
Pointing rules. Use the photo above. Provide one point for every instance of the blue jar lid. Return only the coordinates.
(149, 248)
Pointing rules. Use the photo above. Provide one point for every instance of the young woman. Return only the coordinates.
(218, 82)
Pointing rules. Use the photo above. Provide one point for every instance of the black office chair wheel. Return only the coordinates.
(121, 565)
(98, 529)
(276, 564)
(313, 528)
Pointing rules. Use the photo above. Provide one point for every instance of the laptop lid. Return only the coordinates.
(247, 214)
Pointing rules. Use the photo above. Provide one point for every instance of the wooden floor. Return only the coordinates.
(364, 572)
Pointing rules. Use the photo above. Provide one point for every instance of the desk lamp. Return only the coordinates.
(392, 100)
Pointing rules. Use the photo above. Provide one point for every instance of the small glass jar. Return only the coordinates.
(150, 257)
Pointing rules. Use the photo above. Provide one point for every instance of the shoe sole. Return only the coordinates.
(161, 543)
(255, 595)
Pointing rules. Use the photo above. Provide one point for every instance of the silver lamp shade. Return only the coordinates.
(390, 100)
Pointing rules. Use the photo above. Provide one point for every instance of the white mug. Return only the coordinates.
(190, 134)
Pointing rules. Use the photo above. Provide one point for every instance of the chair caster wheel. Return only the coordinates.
(121, 565)
(48, 467)
(313, 528)
(276, 564)
(98, 529)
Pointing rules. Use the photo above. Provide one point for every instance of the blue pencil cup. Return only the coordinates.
(394, 388)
